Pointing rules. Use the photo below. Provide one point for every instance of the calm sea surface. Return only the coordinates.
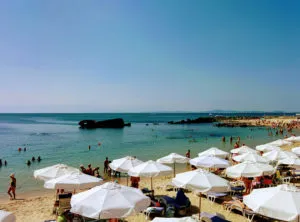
(57, 139)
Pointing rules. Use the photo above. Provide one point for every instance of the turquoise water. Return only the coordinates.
(57, 139)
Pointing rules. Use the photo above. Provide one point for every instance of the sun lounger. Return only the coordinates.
(181, 203)
(207, 217)
(212, 196)
(148, 192)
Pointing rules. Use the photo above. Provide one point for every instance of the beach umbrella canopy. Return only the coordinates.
(209, 162)
(150, 169)
(201, 181)
(7, 216)
(214, 151)
(243, 149)
(172, 159)
(124, 164)
(73, 181)
(109, 200)
(280, 142)
(293, 139)
(267, 148)
(249, 169)
(252, 157)
(54, 171)
(281, 202)
(296, 150)
(290, 161)
(182, 219)
(276, 155)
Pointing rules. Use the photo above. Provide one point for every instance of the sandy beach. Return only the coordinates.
(34, 207)
(37, 207)
(267, 121)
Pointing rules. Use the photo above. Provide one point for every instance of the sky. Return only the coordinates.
(149, 56)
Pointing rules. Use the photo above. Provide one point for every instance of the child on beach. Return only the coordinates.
(12, 187)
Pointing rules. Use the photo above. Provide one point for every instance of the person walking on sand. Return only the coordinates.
(106, 162)
(12, 187)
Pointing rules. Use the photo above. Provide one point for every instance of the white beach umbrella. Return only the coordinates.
(249, 169)
(174, 219)
(54, 171)
(214, 151)
(125, 164)
(7, 216)
(280, 142)
(290, 161)
(150, 169)
(243, 149)
(209, 162)
(281, 202)
(109, 200)
(201, 181)
(267, 148)
(73, 181)
(173, 158)
(296, 150)
(276, 155)
(293, 139)
(252, 157)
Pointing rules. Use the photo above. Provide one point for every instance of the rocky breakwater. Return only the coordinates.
(195, 121)
(110, 123)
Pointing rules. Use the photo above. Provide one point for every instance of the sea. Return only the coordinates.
(56, 138)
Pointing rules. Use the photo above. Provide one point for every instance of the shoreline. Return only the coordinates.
(285, 122)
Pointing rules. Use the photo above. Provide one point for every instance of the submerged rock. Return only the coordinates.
(110, 123)
(195, 121)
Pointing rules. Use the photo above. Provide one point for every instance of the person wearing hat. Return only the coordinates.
(12, 187)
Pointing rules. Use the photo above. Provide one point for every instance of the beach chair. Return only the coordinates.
(181, 203)
(64, 202)
(207, 217)
(234, 205)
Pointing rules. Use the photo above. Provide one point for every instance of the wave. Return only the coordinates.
(40, 134)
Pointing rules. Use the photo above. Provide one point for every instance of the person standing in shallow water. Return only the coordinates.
(188, 154)
(12, 187)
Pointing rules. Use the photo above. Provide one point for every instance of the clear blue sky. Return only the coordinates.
(124, 56)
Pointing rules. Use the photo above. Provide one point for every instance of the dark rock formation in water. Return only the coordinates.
(195, 121)
(110, 123)
(234, 124)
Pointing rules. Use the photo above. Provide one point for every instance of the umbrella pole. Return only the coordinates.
(199, 205)
(151, 184)
(127, 179)
(174, 169)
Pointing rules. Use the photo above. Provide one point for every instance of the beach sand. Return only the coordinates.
(268, 120)
(37, 207)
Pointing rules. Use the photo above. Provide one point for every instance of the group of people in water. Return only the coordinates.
(33, 160)
(28, 162)
(5, 163)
